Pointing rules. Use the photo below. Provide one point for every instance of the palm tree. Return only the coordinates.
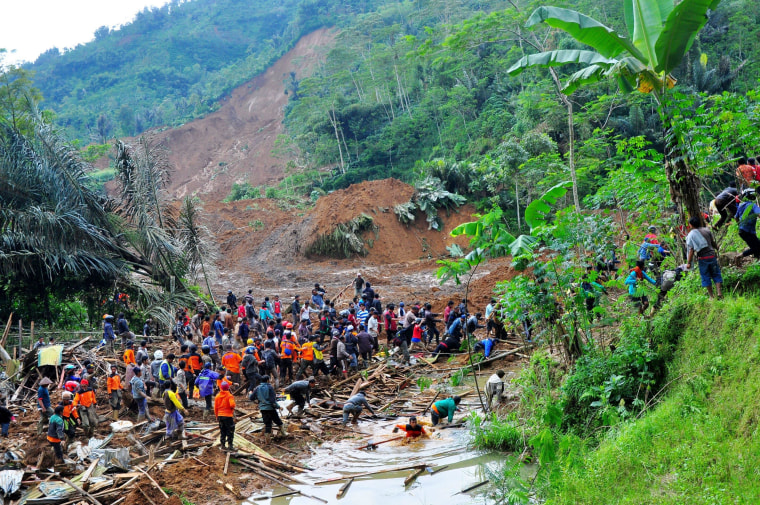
(659, 35)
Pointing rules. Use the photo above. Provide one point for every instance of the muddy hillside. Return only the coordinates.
(264, 246)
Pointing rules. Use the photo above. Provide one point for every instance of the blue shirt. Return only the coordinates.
(218, 330)
(747, 222)
(633, 282)
(265, 314)
(211, 343)
(44, 394)
(362, 316)
(108, 331)
(318, 301)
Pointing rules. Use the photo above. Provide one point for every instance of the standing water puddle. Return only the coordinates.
(464, 468)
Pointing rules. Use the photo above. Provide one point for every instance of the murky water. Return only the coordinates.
(446, 448)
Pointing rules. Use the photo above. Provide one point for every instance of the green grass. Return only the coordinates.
(699, 445)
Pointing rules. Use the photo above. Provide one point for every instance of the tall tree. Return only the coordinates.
(660, 35)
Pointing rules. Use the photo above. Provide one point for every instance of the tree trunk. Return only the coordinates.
(684, 184)
(571, 153)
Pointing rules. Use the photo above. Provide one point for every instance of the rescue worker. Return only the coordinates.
(444, 409)
(265, 397)
(412, 429)
(175, 423)
(194, 364)
(113, 385)
(300, 393)
(85, 402)
(494, 388)
(166, 373)
(43, 404)
(55, 433)
(250, 368)
(231, 363)
(205, 384)
(108, 333)
(224, 410)
(354, 405)
(288, 350)
(140, 396)
(70, 416)
(307, 359)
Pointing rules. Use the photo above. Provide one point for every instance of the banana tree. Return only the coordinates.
(659, 35)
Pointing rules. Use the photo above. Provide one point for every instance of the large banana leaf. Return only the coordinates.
(559, 58)
(681, 27)
(586, 75)
(648, 18)
(537, 211)
(586, 30)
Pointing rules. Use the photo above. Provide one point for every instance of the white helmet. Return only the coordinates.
(158, 355)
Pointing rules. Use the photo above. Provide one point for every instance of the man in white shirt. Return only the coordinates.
(494, 388)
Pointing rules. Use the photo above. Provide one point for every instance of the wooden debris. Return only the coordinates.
(344, 488)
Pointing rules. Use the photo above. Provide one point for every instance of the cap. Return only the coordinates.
(84, 382)
(289, 325)
(207, 365)
(229, 291)
(224, 386)
(652, 228)
(400, 304)
(249, 341)
(45, 382)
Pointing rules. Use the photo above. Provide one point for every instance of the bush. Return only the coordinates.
(497, 434)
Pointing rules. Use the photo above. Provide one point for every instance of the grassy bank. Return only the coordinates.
(685, 433)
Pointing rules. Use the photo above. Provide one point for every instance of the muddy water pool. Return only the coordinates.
(445, 448)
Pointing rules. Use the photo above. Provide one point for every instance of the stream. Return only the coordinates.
(464, 468)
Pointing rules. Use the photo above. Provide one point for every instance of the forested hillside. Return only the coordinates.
(172, 64)
(404, 86)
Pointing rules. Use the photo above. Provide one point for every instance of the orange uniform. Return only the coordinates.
(224, 404)
(307, 351)
(113, 383)
(205, 328)
(85, 399)
(194, 362)
(289, 350)
(231, 362)
(129, 357)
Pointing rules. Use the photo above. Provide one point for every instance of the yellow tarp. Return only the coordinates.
(51, 355)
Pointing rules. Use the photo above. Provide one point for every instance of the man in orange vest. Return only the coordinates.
(288, 353)
(129, 354)
(231, 362)
(224, 410)
(85, 402)
(114, 391)
(307, 359)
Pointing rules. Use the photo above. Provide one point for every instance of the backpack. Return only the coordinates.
(668, 280)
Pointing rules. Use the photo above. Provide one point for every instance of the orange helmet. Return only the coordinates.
(289, 325)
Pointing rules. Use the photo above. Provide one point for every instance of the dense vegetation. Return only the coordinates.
(663, 403)
(173, 63)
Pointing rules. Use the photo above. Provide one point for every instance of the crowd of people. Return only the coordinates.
(258, 349)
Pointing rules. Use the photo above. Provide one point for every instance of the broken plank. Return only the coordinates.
(413, 476)
(344, 488)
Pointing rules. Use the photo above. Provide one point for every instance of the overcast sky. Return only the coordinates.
(31, 27)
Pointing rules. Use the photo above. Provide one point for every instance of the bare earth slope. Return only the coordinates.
(235, 143)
